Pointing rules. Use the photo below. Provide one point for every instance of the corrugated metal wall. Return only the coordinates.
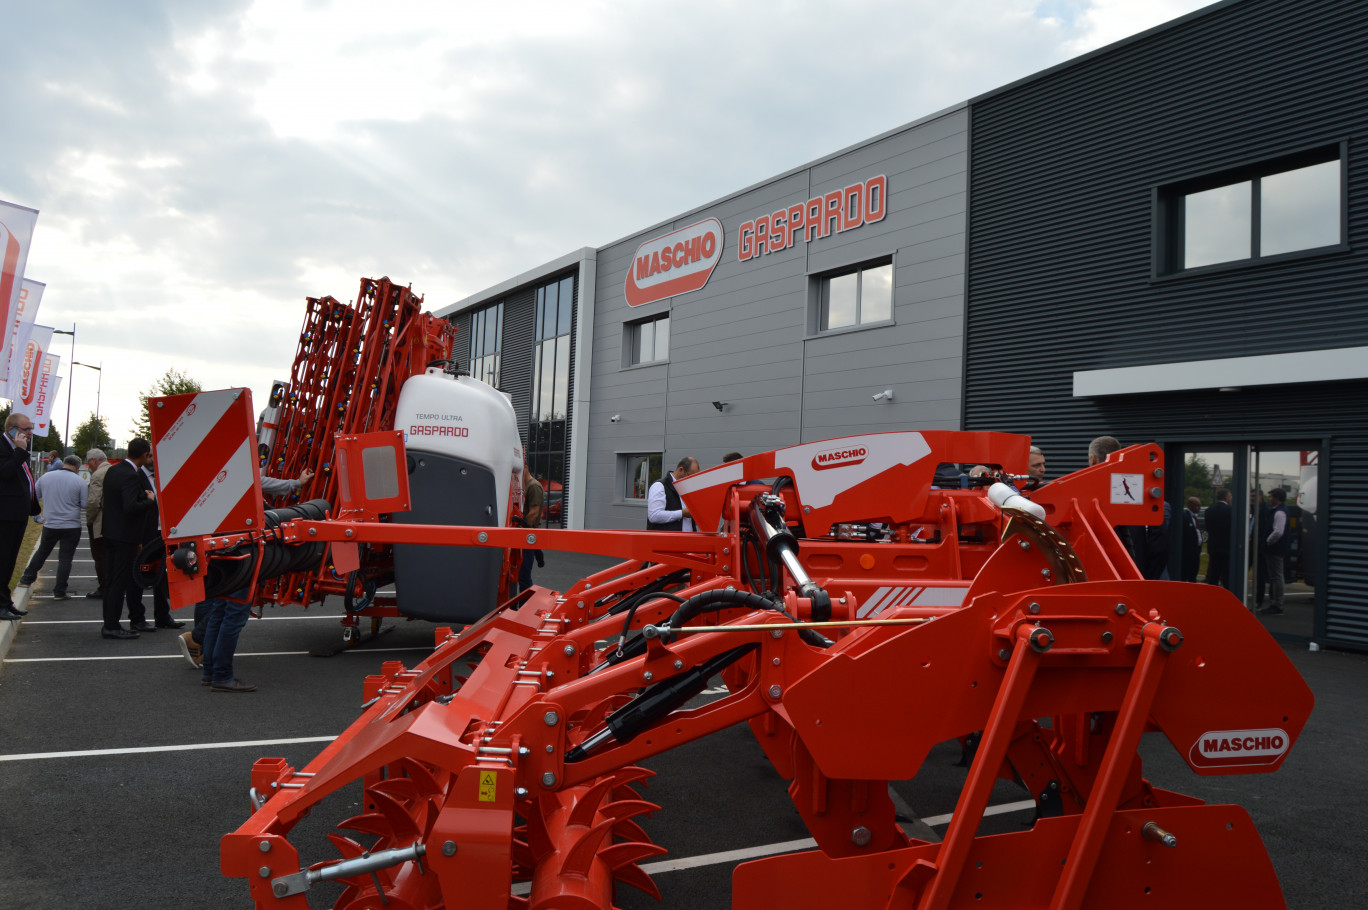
(1064, 169)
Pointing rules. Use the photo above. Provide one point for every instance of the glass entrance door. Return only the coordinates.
(1208, 549)
(1281, 565)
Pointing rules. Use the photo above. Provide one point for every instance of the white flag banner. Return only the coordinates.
(16, 234)
(26, 313)
(32, 344)
(44, 395)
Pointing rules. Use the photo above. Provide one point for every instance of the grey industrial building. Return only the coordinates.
(1161, 240)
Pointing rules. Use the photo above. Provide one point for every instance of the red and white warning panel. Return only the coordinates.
(205, 447)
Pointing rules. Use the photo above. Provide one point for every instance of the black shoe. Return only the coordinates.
(61, 597)
(10, 615)
(117, 633)
(95, 595)
(142, 627)
(13, 609)
(232, 685)
(170, 624)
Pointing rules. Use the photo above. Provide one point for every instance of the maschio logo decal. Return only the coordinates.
(839, 458)
(33, 356)
(1223, 748)
(677, 263)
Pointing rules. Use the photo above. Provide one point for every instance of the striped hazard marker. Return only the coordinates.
(206, 457)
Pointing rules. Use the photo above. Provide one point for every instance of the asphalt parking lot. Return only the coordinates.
(119, 772)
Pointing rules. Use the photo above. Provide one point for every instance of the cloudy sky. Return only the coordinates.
(201, 168)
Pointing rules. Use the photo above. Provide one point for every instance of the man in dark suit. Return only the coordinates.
(129, 502)
(1218, 540)
(18, 502)
(1192, 539)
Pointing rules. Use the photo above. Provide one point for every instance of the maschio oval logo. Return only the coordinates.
(677, 263)
(839, 458)
(1223, 748)
(32, 356)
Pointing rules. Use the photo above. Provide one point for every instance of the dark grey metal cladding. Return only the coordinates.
(1064, 172)
(745, 337)
(447, 584)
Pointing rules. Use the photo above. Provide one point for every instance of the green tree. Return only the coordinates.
(172, 382)
(93, 434)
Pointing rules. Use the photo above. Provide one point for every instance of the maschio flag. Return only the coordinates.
(30, 346)
(30, 296)
(38, 406)
(16, 233)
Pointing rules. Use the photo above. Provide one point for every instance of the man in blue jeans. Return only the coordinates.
(63, 495)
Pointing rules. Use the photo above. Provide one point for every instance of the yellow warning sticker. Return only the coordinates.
(489, 781)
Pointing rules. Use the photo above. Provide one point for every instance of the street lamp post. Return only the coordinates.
(98, 386)
(66, 435)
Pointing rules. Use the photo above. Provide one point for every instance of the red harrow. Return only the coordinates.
(503, 770)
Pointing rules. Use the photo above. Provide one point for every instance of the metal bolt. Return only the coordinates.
(482, 537)
(449, 848)
(265, 846)
(1034, 608)
(569, 650)
(776, 662)
(249, 522)
(551, 718)
(807, 510)
(1106, 638)
(1158, 472)
(173, 531)
(726, 567)
(264, 872)
(1154, 832)
(523, 750)
(280, 889)
(350, 532)
(1120, 609)
(1045, 573)
(1024, 544)
(861, 837)
(726, 551)
(531, 539)
(160, 403)
(313, 532)
(776, 633)
(648, 676)
(520, 792)
(1004, 654)
(580, 604)
(679, 665)
(550, 748)
(549, 779)
(1157, 492)
(775, 691)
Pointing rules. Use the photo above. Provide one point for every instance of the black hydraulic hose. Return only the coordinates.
(656, 702)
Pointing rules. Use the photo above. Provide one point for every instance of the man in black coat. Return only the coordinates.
(18, 502)
(1218, 540)
(129, 504)
(1192, 539)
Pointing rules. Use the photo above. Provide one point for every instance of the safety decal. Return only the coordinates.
(1127, 489)
(489, 785)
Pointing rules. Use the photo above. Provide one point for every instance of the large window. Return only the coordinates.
(856, 297)
(486, 337)
(648, 341)
(546, 433)
(1284, 207)
(639, 471)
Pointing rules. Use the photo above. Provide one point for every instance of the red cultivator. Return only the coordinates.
(860, 609)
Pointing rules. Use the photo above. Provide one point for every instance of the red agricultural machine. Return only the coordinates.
(860, 604)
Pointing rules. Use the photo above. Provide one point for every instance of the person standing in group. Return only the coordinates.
(534, 498)
(161, 593)
(1218, 540)
(665, 511)
(1279, 542)
(127, 504)
(98, 464)
(62, 494)
(1192, 539)
(1260, 524)
(18, 502)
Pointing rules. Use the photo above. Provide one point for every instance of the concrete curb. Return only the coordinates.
(9, 629)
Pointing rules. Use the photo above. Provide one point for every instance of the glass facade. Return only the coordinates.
(486, 338)
(546, 429)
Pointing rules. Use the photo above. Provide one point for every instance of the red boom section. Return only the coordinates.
(860, 610)
(349, 366)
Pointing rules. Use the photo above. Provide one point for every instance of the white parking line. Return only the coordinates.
(143, 750)
(50, 660)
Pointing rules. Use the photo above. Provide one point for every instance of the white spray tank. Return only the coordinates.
(465, 468)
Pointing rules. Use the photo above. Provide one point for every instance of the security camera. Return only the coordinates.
(615, 418)
(886, 394)
(720, 405)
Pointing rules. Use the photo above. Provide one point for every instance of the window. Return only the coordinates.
(546, 429)
(486, 337)
(1288, 206)
(859, 297)
(648, 341)
(639, 471)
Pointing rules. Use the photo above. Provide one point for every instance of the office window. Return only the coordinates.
(1288, 206)
(486, 337)
(546, 428)
(648, 341)
(639, 471)
(857, 297)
